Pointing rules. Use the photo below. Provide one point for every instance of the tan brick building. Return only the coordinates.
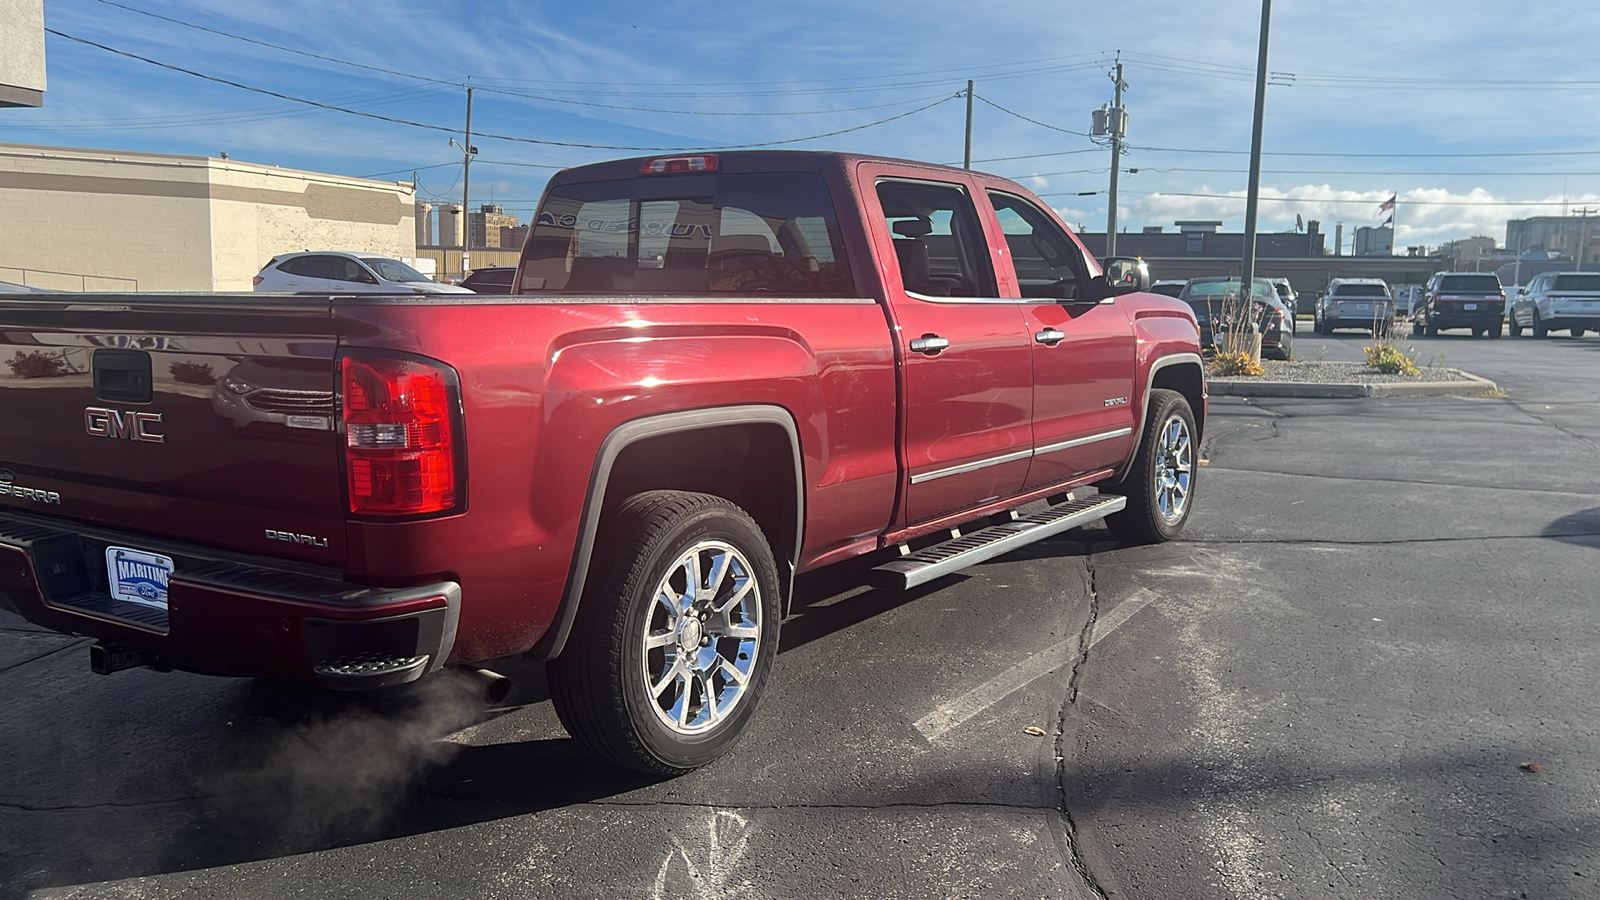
(108, 220)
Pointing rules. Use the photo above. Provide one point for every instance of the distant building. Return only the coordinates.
(1566, 236)
(1374, 241)
(424, 216)
(22, 67)
(1202, 239)
(115, 221)
(449, 225)
(485, 225)
(1200, 248)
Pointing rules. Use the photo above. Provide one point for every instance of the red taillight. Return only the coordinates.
(668, 165)
(400, 438)
(256, 280)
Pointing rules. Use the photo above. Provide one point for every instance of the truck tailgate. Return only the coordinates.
(202, 418)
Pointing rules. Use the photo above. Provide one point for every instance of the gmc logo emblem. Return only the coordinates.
(128, 426)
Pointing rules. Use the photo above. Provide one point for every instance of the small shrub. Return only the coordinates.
(37, 364)
(192, 373)
(1232, 363)
(1389, 359)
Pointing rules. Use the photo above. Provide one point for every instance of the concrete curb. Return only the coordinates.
(1472, 386)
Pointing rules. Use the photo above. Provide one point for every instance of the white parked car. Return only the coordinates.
(338, 272)
(1557, 301)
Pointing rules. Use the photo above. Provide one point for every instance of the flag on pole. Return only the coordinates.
(1387, 205)
(1390, 220)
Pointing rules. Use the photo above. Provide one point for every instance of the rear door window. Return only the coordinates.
(318, 266)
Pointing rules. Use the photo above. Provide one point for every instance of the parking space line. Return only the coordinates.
(948, 716)
(1124, 611)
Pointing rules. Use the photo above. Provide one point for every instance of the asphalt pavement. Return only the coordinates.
(1337, 684)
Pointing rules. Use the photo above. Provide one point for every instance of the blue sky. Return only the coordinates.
(1482, 111)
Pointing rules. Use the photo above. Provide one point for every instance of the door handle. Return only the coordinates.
(1050, 337)
(929, 344)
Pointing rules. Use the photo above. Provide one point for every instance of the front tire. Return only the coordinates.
(1512, 326)
(675, 634)
(1161, 482)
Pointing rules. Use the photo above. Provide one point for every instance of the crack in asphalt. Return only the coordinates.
(1556, 425)
(1395, 541)
(87, 807)
(1372, 479)
(1069, 831)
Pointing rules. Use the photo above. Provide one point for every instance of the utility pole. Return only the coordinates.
(966, 158)
(1116, 124)
(1253, 197)
(1583, 232)
(467, 152)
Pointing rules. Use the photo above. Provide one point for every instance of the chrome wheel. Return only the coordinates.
(702, 638)
(1174, 469)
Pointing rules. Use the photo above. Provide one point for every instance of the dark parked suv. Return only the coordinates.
(490, 280)
(1473, 300)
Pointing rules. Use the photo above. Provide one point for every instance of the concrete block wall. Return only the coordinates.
(173, 223)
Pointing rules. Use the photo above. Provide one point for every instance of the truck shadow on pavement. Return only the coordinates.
(273, 770)
(1581, 528)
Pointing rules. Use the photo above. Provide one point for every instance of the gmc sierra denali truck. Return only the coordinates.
(713, 372)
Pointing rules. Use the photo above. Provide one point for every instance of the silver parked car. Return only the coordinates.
(338, 272)
(1354, 303)
(1557, 301)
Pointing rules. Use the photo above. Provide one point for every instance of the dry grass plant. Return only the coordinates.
(1237, 344)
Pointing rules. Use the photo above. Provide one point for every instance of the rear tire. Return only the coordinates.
(1161, 482)
(1539, 331)
(675, 634)
(1577, 332)
(1493, 331)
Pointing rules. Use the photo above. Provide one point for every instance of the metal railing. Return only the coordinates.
(62, 281)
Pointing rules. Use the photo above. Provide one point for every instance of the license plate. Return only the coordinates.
(136, 576)
(1363, 306)
(1469, 306)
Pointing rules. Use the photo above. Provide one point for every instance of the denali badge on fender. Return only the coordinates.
(114, 423)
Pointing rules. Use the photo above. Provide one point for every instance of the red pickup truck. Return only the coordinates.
(714, 372)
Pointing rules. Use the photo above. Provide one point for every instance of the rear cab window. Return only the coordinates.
(1361, 291)
(702, 233)
(1576, 283)
(1469, 284)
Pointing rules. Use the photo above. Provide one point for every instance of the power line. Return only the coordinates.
(1340, 200)
(677, 90)
(1026, 119)
(237, 37)
(699, 112)
(1034, 155)
(409, 169)
(485, 135)
(1532, 153)
(1431, 173)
